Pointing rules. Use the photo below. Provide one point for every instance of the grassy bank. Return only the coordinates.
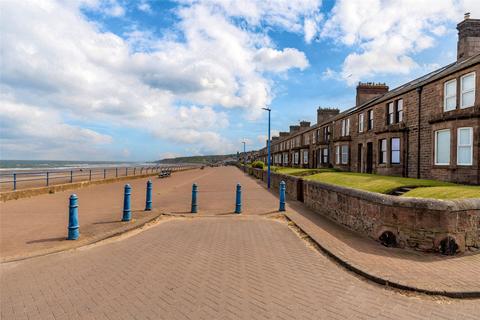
(445, 192)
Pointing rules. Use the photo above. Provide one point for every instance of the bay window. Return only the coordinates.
(383, 151)
(442, 147)
(337, 155)
(395, 150)
(465, 146)
(345, 154)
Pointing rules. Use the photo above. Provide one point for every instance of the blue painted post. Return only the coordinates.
(282, 196)
(127, 212)
(14, 181)
(238, 200)
(104, 173)
(71, 176)
(148, 204)
(73, 232)
(194, 198)
(47, 179)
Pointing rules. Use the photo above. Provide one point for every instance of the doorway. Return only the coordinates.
(359, 158)
(369, 157)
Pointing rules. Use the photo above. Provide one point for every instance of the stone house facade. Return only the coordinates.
(427, 128)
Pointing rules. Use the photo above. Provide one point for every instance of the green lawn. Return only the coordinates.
(373, 182)
(447, 192)
(298, 171)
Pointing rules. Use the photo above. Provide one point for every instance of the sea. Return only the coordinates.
(43, 165)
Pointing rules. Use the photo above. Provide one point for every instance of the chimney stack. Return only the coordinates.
(468, 38)
(304, 124)
(294, 128)
(325, 114)
(369, 90)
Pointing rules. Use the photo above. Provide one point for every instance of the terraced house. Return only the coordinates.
(427, 128)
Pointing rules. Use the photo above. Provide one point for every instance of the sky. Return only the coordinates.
(151, 79)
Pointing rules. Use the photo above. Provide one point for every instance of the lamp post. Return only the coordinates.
(244, 156)
(268, 148)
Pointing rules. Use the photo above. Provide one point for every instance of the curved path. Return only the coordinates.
(231, 267)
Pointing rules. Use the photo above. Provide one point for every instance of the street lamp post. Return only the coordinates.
(268, 148)
(244, 156)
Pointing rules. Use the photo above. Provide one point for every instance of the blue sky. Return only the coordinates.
(144, 80)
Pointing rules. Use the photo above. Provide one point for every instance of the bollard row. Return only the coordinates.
(73, 225)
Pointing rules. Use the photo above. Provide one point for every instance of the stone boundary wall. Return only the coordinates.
(421, 224)
(25, 193)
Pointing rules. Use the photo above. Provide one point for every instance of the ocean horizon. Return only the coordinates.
(63, 164)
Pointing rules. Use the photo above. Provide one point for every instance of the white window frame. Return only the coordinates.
(337, 154)
(399, 150)
(305, 156)
(399, 112)
(470, 146)
(436, 149)
(343, 127)
(462, 92)
(325, 156)
(383, 151)
(347, 129)
(445, 97)
(345, 154)
(361, 121)
(390, 113)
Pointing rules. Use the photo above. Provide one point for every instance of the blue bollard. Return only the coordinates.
(238, 200)
(194, 198)
(282, 196)
(127, 212)
(148, 204)
(73, 232)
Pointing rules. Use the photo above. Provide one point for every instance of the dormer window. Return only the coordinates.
(450, 95)
(467, 88)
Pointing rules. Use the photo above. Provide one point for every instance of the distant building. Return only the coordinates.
(427, 128)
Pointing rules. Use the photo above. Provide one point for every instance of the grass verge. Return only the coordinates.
(445, 192)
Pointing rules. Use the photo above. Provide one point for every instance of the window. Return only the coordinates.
(305, 157)
(326, 134)
(383, 151)
(442, 147)
(313, 138)
(395, 150)
(325, 155)
(360, 122)
(347, 129)
(337, 155)
(467, 87)
(390, 113)
(285, 158)
(345, 154)
(400, 110)
(464, 146)
(306, 138)
(295, 157)
(344, 127)
(450, 95)
(370, 119)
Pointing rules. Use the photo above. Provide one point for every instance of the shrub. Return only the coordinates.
(258, 164)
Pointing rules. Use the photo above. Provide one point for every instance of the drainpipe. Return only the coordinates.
(419, 91)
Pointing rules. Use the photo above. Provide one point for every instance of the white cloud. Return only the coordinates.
(144, 6)
(387, 34)
(55, 60)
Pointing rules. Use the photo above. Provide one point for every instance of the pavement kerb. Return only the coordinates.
(90, 240)
(347, 265)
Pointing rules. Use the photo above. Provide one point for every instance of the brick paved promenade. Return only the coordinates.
(221, 267)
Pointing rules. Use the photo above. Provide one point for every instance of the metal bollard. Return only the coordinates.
(71, 176)
(127, 212)
(148, 203)
(194, 198)
(282, 196)
(47, 179)
(134, 170)
(90, 175)
(116, 172)
(126, 172)
(73, 232)
(104, 173)
(14, 181)
(238, 200)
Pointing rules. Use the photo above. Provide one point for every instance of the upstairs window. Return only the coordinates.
(345, 127)
(326, 133)
(390, 113)
(400, 110)
(467, 88)
(442, 147)
(370, 119)
(464, 146)
(450, 95)
(383, 151)
(395, 150)
(361, 119)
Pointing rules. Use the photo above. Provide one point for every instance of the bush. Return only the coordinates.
(258, 164)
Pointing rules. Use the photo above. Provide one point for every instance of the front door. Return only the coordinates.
(369, 157)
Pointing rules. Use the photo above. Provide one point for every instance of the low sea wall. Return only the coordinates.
(422, 224)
